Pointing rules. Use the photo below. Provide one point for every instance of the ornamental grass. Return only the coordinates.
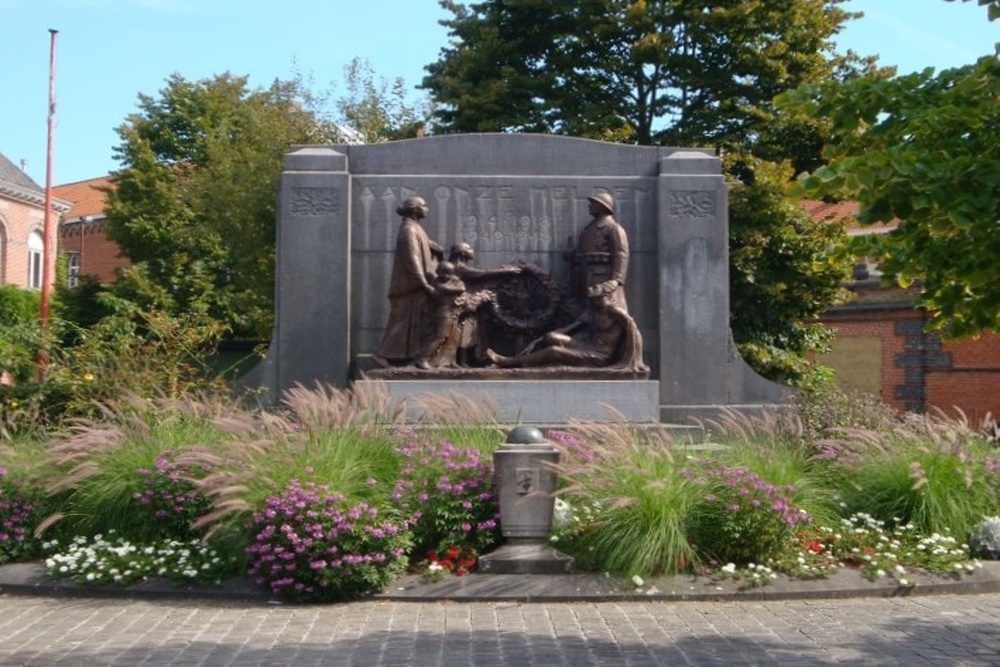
(631, 485)
(935, 472)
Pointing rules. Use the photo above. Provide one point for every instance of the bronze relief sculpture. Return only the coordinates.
(600, 258)
(410, 288)
(453, 319)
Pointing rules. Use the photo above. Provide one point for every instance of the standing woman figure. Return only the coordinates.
(410, 287)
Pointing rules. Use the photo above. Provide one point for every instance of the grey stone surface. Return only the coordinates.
(30, 579)
(512, 197)
(541, 401)
(526, 558)
(525, 481)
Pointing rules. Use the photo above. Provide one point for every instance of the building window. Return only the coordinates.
(73, 270)
(36, 249)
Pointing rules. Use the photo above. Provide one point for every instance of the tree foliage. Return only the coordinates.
(194, 203)
(674, 72)
(992, 7)
(785, 269)
(920, 149)
(377, 109)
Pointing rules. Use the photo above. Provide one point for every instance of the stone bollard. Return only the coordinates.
(525, 481)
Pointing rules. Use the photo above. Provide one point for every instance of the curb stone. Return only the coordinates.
(31, 579)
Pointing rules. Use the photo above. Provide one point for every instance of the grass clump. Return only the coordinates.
(935, 473)
(632, 488)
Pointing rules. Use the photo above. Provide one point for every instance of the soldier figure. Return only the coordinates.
(601, 253)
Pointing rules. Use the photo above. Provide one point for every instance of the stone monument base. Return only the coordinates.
(540, 401)
(525, 558)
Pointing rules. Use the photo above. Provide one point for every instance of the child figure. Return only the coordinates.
(444, 311)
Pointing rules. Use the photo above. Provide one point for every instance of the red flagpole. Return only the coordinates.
(48, 247)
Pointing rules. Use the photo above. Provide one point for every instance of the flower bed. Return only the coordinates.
(327, 502)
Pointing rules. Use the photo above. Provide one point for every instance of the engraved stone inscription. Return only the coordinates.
(527, 480)
(692, 204)
(314, 201)
(500, 217)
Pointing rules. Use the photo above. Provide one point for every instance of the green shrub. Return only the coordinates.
(826, 409)
(310, 544)
(931, 472)
(18, 306)
(447, 493)
(327, 436)
(773, 448)
(637, 496)
(117, 472)
(21, 510)
(741, 517)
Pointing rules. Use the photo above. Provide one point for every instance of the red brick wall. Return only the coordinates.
(18, 220)
(973, 382)
(920, 371)
(98, 256)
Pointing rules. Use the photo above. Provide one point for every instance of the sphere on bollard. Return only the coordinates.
(524, 434)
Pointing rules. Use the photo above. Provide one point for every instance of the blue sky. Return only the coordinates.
(109, 51)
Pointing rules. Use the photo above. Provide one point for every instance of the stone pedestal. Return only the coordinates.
(540, 400)
(527, 557)
(525, 481)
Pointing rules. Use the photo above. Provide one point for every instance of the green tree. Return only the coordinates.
(920, 149)
(194, 203)
(786, 269)
(377, 109)
(678, 72)
(20, 332)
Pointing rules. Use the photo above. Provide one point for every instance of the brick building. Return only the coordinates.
(82, 236)
(22, 226)
(881, 346)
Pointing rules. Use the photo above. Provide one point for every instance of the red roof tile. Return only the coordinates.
(846, 211)
(85, 197)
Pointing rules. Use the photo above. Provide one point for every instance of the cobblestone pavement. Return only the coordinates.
(912, 631)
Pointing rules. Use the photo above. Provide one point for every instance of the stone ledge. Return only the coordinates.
(549, 401)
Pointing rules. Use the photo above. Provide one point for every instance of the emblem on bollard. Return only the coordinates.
(527, 480)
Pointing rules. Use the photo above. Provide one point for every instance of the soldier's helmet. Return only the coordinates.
(603, 199)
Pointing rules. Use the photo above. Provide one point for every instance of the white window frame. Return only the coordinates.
(36, 257)
(73, 269)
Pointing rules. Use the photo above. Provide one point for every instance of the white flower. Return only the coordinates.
(729, 568)
(904, 582)
(637, 580)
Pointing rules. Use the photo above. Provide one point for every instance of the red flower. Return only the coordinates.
(814, 546)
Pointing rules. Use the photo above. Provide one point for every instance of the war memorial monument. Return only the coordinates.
(553, 277)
